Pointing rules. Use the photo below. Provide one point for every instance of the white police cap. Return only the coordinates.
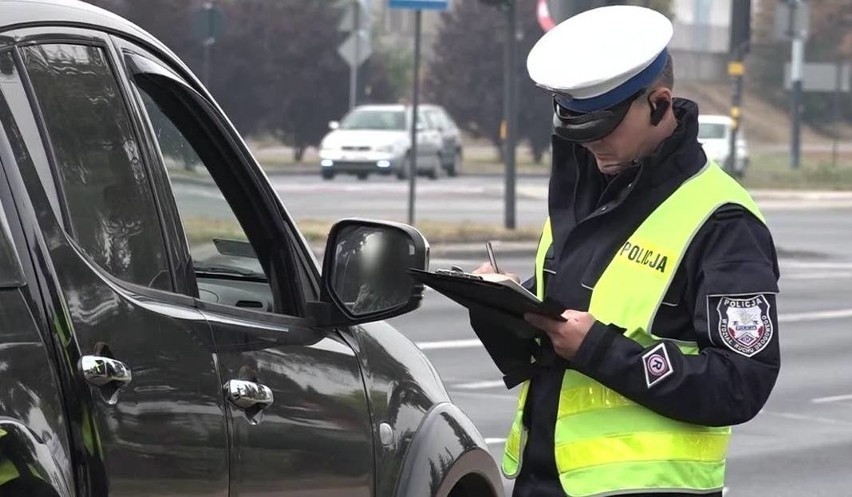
(602, 56)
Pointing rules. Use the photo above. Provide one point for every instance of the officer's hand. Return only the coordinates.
(566, 336)
(485, 268)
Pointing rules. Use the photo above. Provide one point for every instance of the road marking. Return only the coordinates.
(815, 316)
(495, 441)
(480, 385)
(450, 344)
(811, 419)
(834, 398)
(815, 265)
(289, 187)
(471, 343)
(818, 276)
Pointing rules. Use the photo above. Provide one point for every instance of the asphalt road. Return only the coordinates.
(800, 444)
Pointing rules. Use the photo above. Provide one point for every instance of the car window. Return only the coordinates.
(110, 202)
(374, 119)
(432, 120)
(423, 121)
(11, 90)
(217, 242)
(30, 141)
(713, 131)
(226, 266)
(448, 121)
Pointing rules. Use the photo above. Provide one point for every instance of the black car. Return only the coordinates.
(164, 328)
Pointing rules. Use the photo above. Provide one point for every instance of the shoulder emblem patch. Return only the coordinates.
(744, 324)
(657, 365)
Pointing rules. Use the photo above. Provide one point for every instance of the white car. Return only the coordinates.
(377, 139)
(714, 133)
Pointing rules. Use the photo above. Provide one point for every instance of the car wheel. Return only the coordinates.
(402, 171)
(328, 175)
(436, 170)
(454, 166)
(362, 176)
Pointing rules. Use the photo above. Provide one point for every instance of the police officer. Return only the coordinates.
(665, 267)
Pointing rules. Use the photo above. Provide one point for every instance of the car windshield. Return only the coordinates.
(374, 119)
(711, 131)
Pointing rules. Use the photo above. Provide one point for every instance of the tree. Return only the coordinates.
(563, 9)
(275, 69)
(466, 74)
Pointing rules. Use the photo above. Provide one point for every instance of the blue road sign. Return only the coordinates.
(419, 4)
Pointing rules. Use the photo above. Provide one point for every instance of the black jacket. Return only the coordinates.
(731, 262)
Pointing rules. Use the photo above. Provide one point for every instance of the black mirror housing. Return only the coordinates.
(365, 272)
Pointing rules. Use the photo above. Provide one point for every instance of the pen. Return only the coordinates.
(491, 258)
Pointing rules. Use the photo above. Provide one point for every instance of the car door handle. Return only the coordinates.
(248, 395)
(101, 371)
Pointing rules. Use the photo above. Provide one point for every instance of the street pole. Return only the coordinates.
(353, 69)
(207, 44)
(412, 172)
(736, 69)
(205, 62)
(797, 59)
(837, 87)
(510, 115)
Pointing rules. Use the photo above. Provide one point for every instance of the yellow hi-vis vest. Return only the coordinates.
(604, 443)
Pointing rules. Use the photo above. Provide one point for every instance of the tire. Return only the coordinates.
(454, 166)
(362, 176)
(327, 175)
(436, 171)
(402, 171)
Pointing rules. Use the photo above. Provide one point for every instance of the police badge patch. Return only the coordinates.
(744, 324)
(657, 365)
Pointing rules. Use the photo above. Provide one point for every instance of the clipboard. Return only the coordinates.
(503, 295)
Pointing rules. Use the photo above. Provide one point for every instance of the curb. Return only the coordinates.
(758, 194)
(466, 250)
(192, 181)
(302, 171)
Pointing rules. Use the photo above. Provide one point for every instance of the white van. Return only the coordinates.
(714, 133)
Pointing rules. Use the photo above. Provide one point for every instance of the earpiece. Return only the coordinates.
(658, 111)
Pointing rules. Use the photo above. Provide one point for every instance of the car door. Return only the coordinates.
(298, 415)
(145, 405)
(447, 147)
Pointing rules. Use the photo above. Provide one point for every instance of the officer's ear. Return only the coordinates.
(660, 100)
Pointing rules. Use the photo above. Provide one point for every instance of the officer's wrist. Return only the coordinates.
(594, 346)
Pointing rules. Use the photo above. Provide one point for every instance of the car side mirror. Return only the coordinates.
(333, 124)
(365, 273)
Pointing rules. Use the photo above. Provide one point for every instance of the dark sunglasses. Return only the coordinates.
(584, 127)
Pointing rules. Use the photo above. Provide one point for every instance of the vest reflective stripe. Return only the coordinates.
(543, 246)
(514, 449)
(604, 442)
(8, 472)
(644, 446)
